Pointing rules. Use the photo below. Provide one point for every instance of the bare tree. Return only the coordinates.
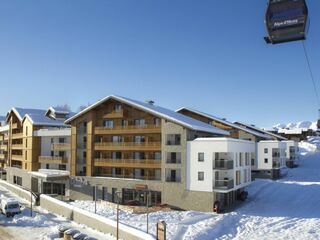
(64, 107)
(82, 107)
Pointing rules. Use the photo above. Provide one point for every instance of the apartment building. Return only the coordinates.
(29, 130)
(4, 128)
(235, 130)
(292, 153)
(220, 167)
(137, 148)
(271, 159)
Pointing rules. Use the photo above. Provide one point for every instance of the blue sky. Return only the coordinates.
(207, 54)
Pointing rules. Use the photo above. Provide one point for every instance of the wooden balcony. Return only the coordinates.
(53, 160)
(17, 157)
(150, 178)
(114, 114)
(4, 147)
(1, 138)
(61, 147)
(2, 156)
(127, 163)
(14, 125)
(17, 135)
(127, 146)
(128, 129)
(17, 146)
(6, 138)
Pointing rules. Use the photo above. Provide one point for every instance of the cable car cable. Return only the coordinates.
(311, 74)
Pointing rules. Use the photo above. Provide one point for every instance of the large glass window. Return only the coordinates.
(108, 123)
(173, 139)
(139, 122)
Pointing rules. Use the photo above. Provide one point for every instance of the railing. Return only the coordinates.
(150, 178)
(223, 184)
(139, 163)
(173, 143)
(4, 147)
(6, 138)
(2, 156)
(1, 138)
(276, 164)
(127, 145)
(61, 147)
(173, 179)
(223, 164)
(173, 161)
(17, 135)
(152, 128)
(17, 157)
(17, 146)
(53, 160)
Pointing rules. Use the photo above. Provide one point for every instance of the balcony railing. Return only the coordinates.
(1, 138)
(173, 161)
(61, 147)
(2, 156)
(17, 157)
(127, 146)
(130, 163)
(6, 138)
(53, 160)
(150, 178)
(223, 164)
(223, 184)
(4, 147)
(152, 128)
(276, 164)
(17, 135)
(17, 146)
(173, 179)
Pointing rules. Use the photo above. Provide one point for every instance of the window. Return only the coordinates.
(52, 140)
(200, 176)
(157, 155)
(266, 150)
(61, 154)
(139, 155)
(124, 123)
(52, 154)
(200, 157)
(117, 107)
(26, 130)
(139, 139)
(252, 162)
(266, 160)
(26, 142)
(116, 155)
(84, 139)
(62, 167)
(61, 140)
(174, 157)
(25, 155)
(84, 154)
(173, 139)
(116, 138)
(108, 123)
(47, 166)
(139, 122)
(157, 121)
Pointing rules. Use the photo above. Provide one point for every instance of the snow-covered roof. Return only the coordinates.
(36, 117)
(161, 112)
(225, 122)
(217, 139)
(260, 130)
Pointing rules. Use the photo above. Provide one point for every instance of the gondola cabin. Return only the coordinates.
(286, 21)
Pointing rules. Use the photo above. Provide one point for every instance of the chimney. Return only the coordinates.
(151, 102)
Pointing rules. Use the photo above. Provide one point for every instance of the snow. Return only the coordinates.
(285, 209)
(41, 226)
(302, 126)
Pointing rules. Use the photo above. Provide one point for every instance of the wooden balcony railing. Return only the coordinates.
(17, 157)
(61, 147)
(53, 160)
(128, 146)
(6, 138)
(4, 147)
(150, 178)
(128, 129)
(2, 156)
(17, 146)
(128, 163)
(114, 114)
(17, 135)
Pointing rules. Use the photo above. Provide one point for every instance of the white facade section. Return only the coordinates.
(53, 132)
(270, 155)
(219, 164)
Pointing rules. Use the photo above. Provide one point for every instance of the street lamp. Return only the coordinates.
(95, 198)
(118, 198)
(148, 199)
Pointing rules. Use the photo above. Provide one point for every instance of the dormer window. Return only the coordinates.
(117, 107)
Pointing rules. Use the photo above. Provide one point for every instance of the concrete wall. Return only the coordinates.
(17, 190)
(269, 145)
(26, 177)
(94, 221)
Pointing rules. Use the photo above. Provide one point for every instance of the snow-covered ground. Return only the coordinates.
(285, 209)
(42, 225)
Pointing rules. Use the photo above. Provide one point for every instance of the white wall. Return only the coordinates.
(210, 146)
(261, 155)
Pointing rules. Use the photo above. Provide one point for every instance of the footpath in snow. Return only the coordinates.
(285, 209)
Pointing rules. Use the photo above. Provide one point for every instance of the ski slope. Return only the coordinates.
(285, 209)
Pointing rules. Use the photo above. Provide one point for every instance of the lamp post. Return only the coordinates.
(148, 199)
(95, 198)
(118, 198)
